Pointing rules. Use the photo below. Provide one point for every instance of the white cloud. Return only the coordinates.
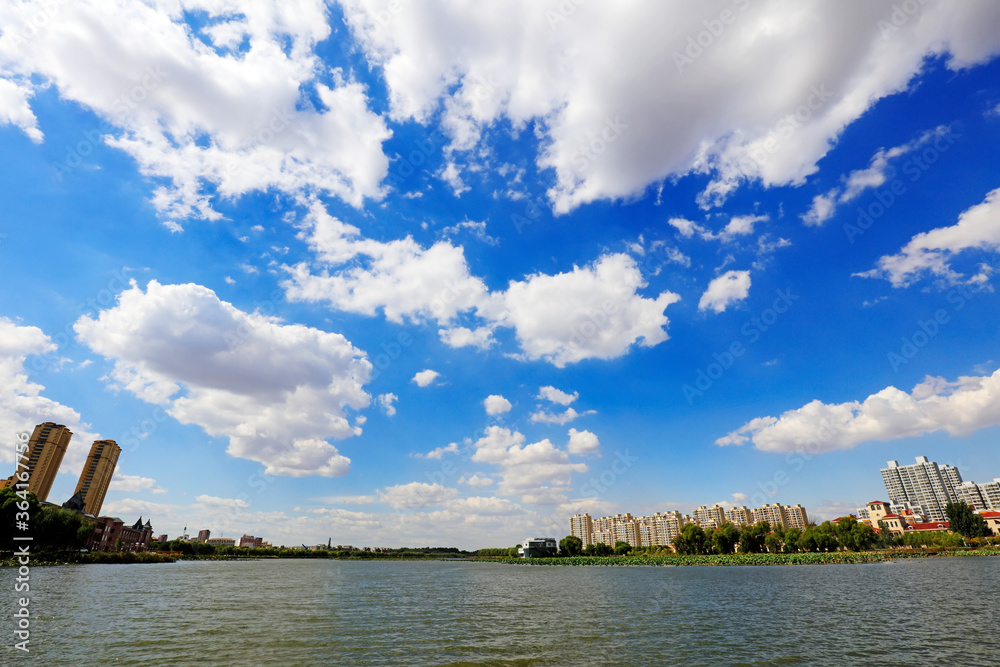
(582, 442)
(932, 252)
(687, 228)
(742, 225)
(123, 482)
(476, 480)
(215, 501)
(958, 407)
(386, 401)
(15, 109)
(451, 175)
(738, 110)
(276, 391)
(22, 402)
(730, 287)
(480, 338)
(589, 312)
(539, 472)
(416, 495)
(425, 378)
(560, 418)
(594, 312)
(438, 453)
(400, 277)
(478, 230)
(194, 109)
(874, 176)
(496, 404)
(553, 395)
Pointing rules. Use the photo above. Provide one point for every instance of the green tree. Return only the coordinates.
(692, 540)
(773, 543)
(571, 545)
(752, 537)
(622, 548)
(962, 519)
(791, 539)
(599, 549)
(725, 538)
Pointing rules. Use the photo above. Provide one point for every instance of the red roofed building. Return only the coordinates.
(992, 520)
(932, 525)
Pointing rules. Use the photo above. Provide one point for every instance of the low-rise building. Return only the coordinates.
(538, 547)
(992, 520)
(249, 541)
(108, 530)
(221, 541)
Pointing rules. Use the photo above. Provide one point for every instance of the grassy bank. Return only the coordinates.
(75, 558)
(831, 558)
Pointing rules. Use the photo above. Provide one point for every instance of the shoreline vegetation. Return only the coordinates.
(737, 559)
(677, 560)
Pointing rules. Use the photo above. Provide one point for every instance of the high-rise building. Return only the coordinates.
(991, 494)
(203, 535)
(739, 516)
(923, 484)
(96, 475)
(971, 494)
(709, 518)
(46, 449)
(582, 526)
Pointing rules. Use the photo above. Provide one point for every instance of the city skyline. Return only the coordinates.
(319, 270)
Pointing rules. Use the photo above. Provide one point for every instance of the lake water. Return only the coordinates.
(298, 612)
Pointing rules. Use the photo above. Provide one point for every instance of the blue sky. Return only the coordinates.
(447, 273)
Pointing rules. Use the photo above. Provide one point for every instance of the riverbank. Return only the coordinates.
(830, 558)
(115, 557)
(88, 558)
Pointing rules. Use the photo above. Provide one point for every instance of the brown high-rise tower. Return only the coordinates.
(96, 475)
(46, 449)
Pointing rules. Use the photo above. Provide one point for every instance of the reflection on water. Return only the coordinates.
(291, 612)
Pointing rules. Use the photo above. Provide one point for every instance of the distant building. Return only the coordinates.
(924, 484)
(203, 535)
(96, 475)
(739, 516)
(709, 518)
(970, 494)
(108, 530)
(222, 541)
(162, 538)
(538, 547)
(46, 449)
(582, 526)
(992, 520)
(249, 541)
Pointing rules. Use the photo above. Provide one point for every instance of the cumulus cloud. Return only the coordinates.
(476, 479)
(539, 472)
(582, 442)
(874, 176)
(553, 395)
(959, 407)
(23, 403)
(217, 108)
(727, 113)
(425, 378)
(276, 391)
(439, 452)
(978, 228)
(416, 495)
(590, 312)
(496, 405)
(729, 288)
(123, 482)
(568, 415)
(387, 401)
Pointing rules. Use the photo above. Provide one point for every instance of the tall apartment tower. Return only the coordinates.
(96, 475)
(583, 527)
(46, 449)
(922, 484)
